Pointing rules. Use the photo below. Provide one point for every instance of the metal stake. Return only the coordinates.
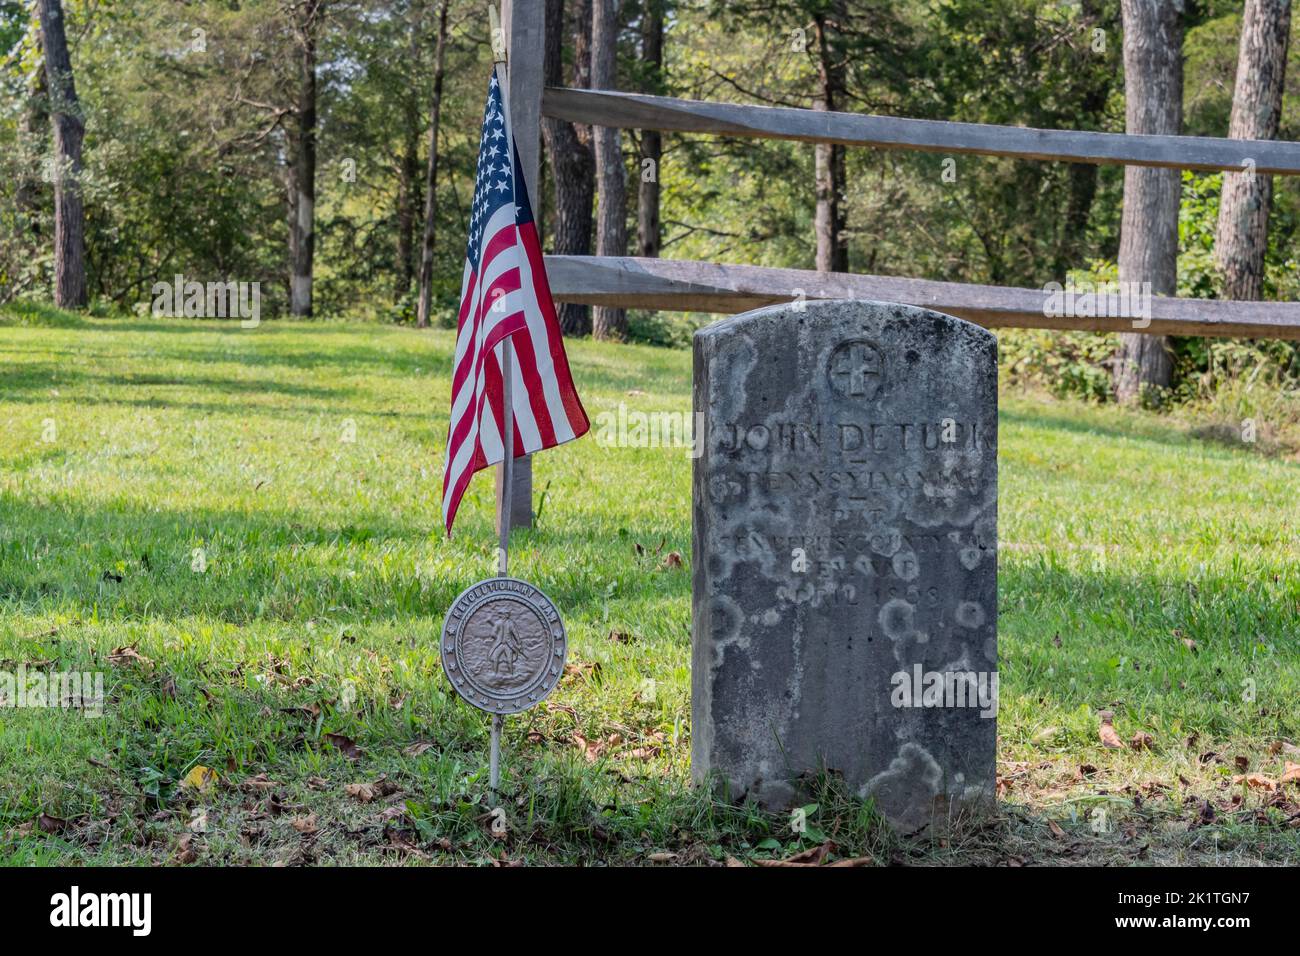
(507, 467)
(503, 521)
(494, 760)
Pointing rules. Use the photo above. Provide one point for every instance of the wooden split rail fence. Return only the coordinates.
(715, 287)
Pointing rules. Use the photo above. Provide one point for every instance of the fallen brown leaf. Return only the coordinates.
(812, 857)
(344, 745)
(591, 749)
(259, 783)
(1106, 731)
(185, 852)
(125, 656)
(1291, 774)
(1256, 781)
(360, 792)
(575, 669)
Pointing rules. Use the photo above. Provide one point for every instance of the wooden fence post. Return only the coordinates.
(524, 22)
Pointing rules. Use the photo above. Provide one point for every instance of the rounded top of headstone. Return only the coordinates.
(840, 314)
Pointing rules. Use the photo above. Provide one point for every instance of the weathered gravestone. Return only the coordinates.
(845, 534)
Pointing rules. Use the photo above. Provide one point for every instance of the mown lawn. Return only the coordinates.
(181, 509)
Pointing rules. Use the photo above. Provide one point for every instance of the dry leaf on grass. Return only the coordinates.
(1256, 781)
(1106, 731)
(360, 792)
(125, 656)
(591, 749)
(575, 669)
(366, 792)
(185, 851)
(812, 857)
(200, 778)
(344, 745)
(1291, 774)
(51, 824)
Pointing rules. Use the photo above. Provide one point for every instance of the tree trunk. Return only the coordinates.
(652, 54)
(408, 171)
(69, 131)
(1083, 177)
(611, 207)
(1148, 248)
(36, 118)
(573, 165)
(832, 247)
(1256, 112)
(431, 177)
(302, 240)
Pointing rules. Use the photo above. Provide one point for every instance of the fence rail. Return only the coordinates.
(640, 111)
(714, 287)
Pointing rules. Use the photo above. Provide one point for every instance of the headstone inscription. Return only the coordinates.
(844, 613)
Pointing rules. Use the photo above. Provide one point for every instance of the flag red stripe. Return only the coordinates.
(573, 409)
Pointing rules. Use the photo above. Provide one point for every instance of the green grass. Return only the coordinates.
(131, 449)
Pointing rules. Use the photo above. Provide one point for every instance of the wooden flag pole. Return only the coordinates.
(497, 40)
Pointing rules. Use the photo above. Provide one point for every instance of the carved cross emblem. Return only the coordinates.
(855, 369)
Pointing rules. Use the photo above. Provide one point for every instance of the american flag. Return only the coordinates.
(504, 293)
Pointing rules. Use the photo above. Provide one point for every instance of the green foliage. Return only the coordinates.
(1064, 363)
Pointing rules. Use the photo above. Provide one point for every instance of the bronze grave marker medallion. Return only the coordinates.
(503, 645)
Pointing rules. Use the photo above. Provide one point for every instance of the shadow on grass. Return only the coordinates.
(418, 356)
